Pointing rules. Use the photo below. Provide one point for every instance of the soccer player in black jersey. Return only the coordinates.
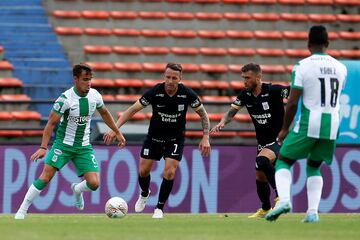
(264, 102)
(166, 134)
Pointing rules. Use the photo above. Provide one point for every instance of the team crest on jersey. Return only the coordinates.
(92, 106)
(265, 105)
(181, 107)
(57, 106)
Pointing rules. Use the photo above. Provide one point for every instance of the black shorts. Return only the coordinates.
(155, 149)
(274, 146)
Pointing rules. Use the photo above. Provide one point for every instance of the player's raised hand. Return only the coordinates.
(282, 134)
(40, 153)
(121, 140)
(204, 146)
(217, 127)
(109, 137)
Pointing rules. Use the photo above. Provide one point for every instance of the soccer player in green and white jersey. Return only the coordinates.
(73, 109)
(318, 81)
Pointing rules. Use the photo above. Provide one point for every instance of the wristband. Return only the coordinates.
(43, 148)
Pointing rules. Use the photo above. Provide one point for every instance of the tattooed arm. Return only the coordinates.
(204, 144)
(228, 116)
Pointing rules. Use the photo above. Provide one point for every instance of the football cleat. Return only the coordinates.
(260, 213)
(141, 202)
(311, 218)
(79, 199)
(158, 213)
(281, 208)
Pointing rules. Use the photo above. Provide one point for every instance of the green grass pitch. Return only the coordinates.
(229, 226)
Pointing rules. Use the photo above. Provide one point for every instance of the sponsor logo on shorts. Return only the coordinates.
(146, 151)
(57, 151)
(54, 158)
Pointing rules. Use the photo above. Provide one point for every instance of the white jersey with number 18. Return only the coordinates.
(321, 78)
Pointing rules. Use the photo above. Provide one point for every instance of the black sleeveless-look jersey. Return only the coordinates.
(266, 110)
(169, 113)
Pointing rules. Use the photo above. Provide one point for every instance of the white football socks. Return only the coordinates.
(81, 187)
(31, 194)
(314, 185)
(283, 180)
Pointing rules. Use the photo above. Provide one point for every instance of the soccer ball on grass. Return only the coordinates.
(116, 207)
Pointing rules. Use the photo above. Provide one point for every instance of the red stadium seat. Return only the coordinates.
(353, 54)
(222, 134)
(218, 99)
(98, 31)
(152, 15)
(154, 33)
(267, 34)
(126, 32)
(192, 134)
(97, 49)
(241, 51)
(183, 34)
(348, 17)
(266, 16)
(213, 34)
(263, 1)
(291, 2)
(32, 133)
(123, 14)
(101, 66)
(206, 1)
(102, 82)
(179, 1)
(11, 133)
(333, 35)
(137, 83)
(154, 67)
(235, 68)
(66, 14)
(126, 50)
(26, 115)
(273, 69)
(181, 15)
(192, 117)
(281, 83)
(14, 97)
(214, 68)
(270, 52)
(6, 116)
(237, 84)
(95, 14)
(108, 97)
(155, 50)
(128, 67)
(213, 51)
(148, 83)
(10, 82)
(295, 35)
(215, 84)
(237, 16)
(349, 35)
(69, 30)
(246, 134)
(185, 51)
(127, 97)
(194, 84)
(334, 53)
(239, 34)
(320, 2)
(235, 1)
(208, 16)
(190, 67)
(347, 2)
(296, 17)
(322, 17)
(297, 53)
(215, 117)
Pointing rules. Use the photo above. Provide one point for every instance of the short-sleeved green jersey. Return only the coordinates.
(321, 78)
(76, 111)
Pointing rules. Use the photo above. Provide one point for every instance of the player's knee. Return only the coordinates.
(262, 162)
(93, 184)
(143, 173)
(169, 174)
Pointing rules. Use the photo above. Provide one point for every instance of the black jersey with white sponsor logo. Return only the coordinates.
(266, 110)
(169, 113)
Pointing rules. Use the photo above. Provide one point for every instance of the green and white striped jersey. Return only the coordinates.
(321, 78)
(76, 111)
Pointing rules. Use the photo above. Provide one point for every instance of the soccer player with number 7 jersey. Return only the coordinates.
(317, 82)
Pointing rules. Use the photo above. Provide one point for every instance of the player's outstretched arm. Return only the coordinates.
(204, 144)
(228, 116)
(54, 118)
(109, 121)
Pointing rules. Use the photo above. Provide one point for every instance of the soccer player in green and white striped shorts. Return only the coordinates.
(73, 109)
(318, 81)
